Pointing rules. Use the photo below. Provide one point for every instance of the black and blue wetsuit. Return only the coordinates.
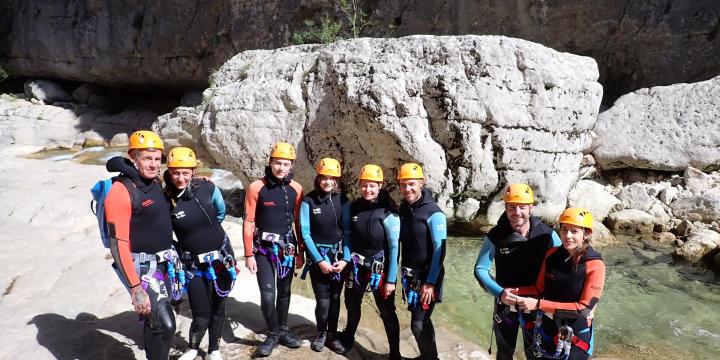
(423, 231)
(375, 229)
(325, 229)
(517, 263)
(197, 214)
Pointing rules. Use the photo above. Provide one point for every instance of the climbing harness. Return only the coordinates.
(563, 341)
(175, 270)
(327, 251)
(372, 272)
(208, 265)
(278, 251)
(411, 282)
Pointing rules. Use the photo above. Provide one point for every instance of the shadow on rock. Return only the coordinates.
(84, 336)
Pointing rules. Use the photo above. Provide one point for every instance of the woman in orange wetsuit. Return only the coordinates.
(568, 289)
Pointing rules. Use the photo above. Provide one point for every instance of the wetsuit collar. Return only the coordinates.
(426, 197)
(127, 169)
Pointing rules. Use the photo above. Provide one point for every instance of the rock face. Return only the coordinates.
(591, 195)
(476, 112)
(703, 208)
(46, 91)
(25, 123)
(662, 128)
(177, 44)
(630, 222)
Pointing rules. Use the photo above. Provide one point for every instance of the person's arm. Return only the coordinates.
(305, 231)
(251, 197)
(118, 210)
(438, 233)
(219, 203)
(591, 293)
(482, 268)
(392, 230)
(347, 232)
(298, 199)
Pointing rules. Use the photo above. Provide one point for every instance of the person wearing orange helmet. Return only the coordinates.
(375, 229)
(517, 245)
(423, 231)
(197, 211)
(325, 228)
(567, 289)
(272, 249)
(138, 217)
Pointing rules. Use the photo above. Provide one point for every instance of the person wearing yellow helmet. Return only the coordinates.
(272, 247)
(325, 228)
(517, 245)
(197, 211)
(423, 231)
(375, 229)
(138, 217)
(567, 291)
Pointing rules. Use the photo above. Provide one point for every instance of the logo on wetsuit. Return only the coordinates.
(268, 203)
(179, 215)
(147, 202)
(317, 211)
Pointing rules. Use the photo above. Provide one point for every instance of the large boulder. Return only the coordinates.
(592, 195)
(179, 43)
(637, 196)
(704, 208)
(476, 112)
(630, 222)
(699, 243)
(662, 128)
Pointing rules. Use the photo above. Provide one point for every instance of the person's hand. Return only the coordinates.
(509, 296)
(339, 266)
(527, 303)
(140, 300)
(388, 290)
(203, 178)
(299, 260)
(325, 267)
(251, 264)
(427, 294)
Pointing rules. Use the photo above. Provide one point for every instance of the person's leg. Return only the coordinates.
(353, 305)
(217, 313)
(266, 283)
(321, 288)
(424, 331)
(505, 332)
(159, 327)
(287, 336)
(198, 291)
(386, 306)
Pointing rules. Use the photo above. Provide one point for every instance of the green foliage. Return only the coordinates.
(329, 30)
(356, 18)
(326, 32)
(3, 74)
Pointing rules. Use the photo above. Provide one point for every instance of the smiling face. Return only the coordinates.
(369, 190)
(573, 236)
(411, 189)
(181, 177)
(327, 183)
(280, 168)
(147, 161)
(518, 214)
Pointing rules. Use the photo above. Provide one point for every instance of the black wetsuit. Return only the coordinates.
(423, 233)
(138, 217)
(321, 225)
(271, 206)
(197, 227)
(517, 264)
(375, 228)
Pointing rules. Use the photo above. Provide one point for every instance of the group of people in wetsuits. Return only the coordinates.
(366, 245)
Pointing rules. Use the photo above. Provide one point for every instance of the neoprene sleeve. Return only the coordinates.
(438, 233)
(392, 229)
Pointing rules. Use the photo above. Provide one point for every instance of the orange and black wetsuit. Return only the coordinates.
(138, 218)
(272, 206)
(569, 293)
